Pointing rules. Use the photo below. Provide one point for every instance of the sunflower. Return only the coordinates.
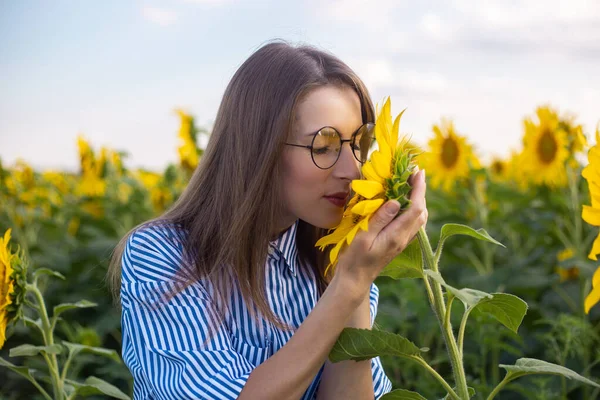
(591, 215)
(545, 149)
(570, 273)
(12, 285)
(385, 176)
(188, 151)
(449, 159)
(575, 136)
(92, 170)
(591, 173)
(499, 169)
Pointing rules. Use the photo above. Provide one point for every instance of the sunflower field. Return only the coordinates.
(542, 203)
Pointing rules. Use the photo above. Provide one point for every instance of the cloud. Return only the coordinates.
(207, 2)
(570, 29)
(366, 14)
(160, 16)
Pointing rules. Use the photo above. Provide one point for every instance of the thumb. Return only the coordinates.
(383, 216)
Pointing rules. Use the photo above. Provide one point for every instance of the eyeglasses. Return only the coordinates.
(326, 145)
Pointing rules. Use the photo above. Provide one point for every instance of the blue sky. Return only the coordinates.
(115, 70)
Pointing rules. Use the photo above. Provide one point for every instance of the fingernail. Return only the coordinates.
(393, 207)
(423, 174)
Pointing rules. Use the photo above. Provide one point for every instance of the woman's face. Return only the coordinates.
(310, 193)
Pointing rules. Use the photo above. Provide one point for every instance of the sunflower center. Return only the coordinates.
(498, 167)
(547, 147)
(450, 152)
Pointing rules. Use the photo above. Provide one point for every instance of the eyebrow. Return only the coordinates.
(329, 126)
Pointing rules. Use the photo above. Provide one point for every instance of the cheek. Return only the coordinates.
(303, 181)
(303, 189)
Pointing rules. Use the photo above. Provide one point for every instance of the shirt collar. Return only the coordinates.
(285, 244)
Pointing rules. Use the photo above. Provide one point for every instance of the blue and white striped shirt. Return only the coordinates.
(163, 343)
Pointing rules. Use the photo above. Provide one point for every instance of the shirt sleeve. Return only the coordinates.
(165, 342)
(381, 383)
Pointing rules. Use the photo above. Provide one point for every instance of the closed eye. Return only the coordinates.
(321, 150)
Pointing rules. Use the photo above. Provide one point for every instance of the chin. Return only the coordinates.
(326, 221)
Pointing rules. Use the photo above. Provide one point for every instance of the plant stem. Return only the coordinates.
(461, 330)
(41, 389)
(437, 376)
(495, 362)
(575, 309)
(447, 323)
(63, 375)
(440, 312)
(499, 387)
(48, 335)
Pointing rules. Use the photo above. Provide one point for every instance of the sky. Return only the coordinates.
(115, 70)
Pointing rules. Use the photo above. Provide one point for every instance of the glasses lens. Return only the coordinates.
(363, 142)
(326, 147)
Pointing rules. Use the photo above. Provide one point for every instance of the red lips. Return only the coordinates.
(338, 199)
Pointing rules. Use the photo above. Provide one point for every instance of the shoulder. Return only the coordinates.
(153, 253)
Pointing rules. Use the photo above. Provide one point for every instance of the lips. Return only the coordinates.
(338, 199)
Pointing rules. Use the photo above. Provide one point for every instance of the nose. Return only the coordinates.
(347, 166)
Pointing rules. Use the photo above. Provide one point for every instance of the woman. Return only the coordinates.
(223, 296)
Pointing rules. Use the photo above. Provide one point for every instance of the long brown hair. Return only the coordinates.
(230, 207)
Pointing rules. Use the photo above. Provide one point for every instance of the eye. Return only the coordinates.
(321, 150)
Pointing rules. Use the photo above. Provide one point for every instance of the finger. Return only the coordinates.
(413, 175)
(417, 196)
(412, 219)
(418, 186)
(382, 217)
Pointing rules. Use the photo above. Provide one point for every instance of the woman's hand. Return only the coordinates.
(388, 235)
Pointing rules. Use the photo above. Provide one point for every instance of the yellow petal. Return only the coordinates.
(352, 234)
(595, 195)
(383, 145)
(596, 279)
(591, 215)
(338, 234)
(595, 249)
(333, 255)
(369, 173)
(383, 129)
(592, 299)
(367, 189)
(396, 130)
(364, 224)
(382, 164)
(367, 207)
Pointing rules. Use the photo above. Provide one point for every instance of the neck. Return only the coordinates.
(283, 226)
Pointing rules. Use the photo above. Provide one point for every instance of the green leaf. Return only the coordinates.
(93, 386)
(458, 229)
(508, 309)
(530, 366)
(470, 297)
(31, 350)
(75, 348)
(23, 371)
(33, 324)
(47, 271)
(70, 306)
(402, 394)
(408, 264)
(363, 344)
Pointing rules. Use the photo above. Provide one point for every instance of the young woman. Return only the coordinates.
(224, 296)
